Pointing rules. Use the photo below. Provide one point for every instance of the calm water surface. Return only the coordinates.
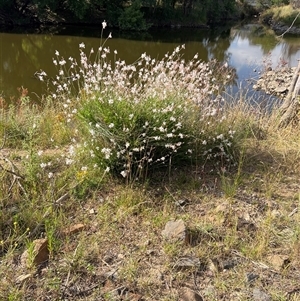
(244, 47)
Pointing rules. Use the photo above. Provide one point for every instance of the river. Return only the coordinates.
(246, 48)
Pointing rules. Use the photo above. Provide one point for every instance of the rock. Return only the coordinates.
(187, 262)
(212, 266)
(250, 277)
(245, 225)
(182, 202)
(229, 264)
(281, 89)
(190, 295)
(278, 262)
(259, 295)
(37, 255)
(73, 229)
(276, 82)
(175, 230)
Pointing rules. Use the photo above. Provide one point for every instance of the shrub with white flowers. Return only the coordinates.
(150, 114)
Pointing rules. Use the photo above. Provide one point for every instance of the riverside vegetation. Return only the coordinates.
(115, 151)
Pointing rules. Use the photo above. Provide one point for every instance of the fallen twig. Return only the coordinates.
(281, 36)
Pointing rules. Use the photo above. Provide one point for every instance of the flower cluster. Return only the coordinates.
(148, 114)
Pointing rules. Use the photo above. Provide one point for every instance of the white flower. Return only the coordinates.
(50, 175)
(115, 52)
(40, 152)
(82, 45)
(56, 53)
(124, 173)
(104, 24)
(62, 62)
(111, 125)
(69, 161)
(106, 152)
(84, 168)
(110, 35)
(43, 165)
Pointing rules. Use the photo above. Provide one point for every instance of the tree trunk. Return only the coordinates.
(291, 106)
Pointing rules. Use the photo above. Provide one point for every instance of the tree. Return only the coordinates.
(119, 13)
(132, 18)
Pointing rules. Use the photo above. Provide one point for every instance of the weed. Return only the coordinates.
(145, 116)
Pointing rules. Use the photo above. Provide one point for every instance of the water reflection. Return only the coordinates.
(244, 47)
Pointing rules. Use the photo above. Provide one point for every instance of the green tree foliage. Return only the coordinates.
(132, 15)
(270, 3)
(132, 18)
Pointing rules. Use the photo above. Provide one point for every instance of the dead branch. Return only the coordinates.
(281, 36)
(290, 108)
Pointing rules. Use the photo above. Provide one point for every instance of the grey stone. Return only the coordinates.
(259, 295)
(250, 277)
(281, 89)
(175, 230)
(187, 262)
